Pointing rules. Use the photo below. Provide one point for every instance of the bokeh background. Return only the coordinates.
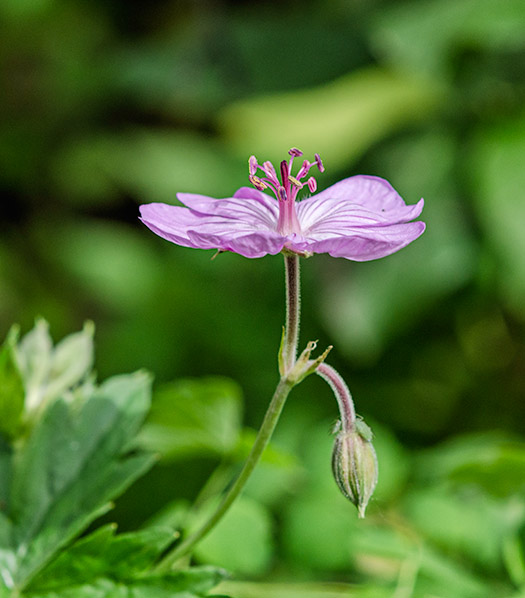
(108, 104)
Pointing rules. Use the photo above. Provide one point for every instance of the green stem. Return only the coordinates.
(269, 423)
(293, 305)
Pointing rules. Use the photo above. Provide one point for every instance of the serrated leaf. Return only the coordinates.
(103, 554)
(194, 417)
(192, 583)
(71, 465)
(11, 389)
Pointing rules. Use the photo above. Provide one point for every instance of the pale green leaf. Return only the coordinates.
(339, 120)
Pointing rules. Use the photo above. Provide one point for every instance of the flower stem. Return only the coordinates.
(293, 311)
(342, 394)
(271, 418)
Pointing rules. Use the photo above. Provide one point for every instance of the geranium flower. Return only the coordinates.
(359, 218)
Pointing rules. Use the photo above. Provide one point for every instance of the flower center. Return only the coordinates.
(287, 188)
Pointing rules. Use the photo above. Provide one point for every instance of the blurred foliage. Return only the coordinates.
(106, 105)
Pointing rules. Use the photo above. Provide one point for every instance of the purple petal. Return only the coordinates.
(247, 234)
(245, 201)
(169, 222)
(364, 244)
(339, 215)
(251, 245)
(372, 192)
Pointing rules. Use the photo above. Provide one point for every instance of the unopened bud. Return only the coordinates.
(354, 464)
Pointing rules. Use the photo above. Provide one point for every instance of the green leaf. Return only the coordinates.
(425, 36)
(194, 417)
(393, 553)
(152, 165)
(72, 464)
(498, 180)
(464, 522)
(241, 542)
(11, 389)
(192, 583)
(103, 554)
(340, 120)
(34, 356)
(121, 276)
(317, 589)
(492, 460)
(50, 372)
(371, 305)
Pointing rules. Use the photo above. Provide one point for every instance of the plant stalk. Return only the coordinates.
(291, 337)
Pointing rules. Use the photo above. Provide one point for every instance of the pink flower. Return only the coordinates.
(359, 218)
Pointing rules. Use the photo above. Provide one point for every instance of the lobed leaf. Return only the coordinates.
(75, 460)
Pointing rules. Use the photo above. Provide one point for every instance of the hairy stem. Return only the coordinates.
(293, 305)
(342, 394)
(291, 334)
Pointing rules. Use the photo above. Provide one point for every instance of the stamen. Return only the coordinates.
(319, 163)
(281, 193)
(285, 174)
(303, 171)
(257, 183)
(295, 153)
(295, 182)
(252, 165)
(312, 184)
(270, 172)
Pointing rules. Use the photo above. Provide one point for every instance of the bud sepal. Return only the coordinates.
(354, 464)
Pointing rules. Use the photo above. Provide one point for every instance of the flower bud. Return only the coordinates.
(354, 464)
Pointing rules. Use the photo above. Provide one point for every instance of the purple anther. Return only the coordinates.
(252, 165)
(319, 163)
(285, 174)
(312, 184)
(294, 152)
(257, 183)
(281, 193)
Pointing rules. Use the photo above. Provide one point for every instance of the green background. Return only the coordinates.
(109, 104)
